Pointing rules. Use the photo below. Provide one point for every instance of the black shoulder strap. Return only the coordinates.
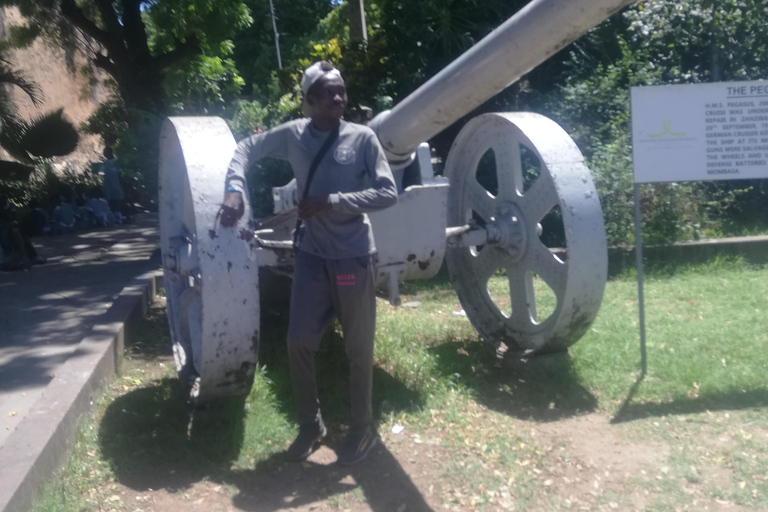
(318, 158)
(311, 174)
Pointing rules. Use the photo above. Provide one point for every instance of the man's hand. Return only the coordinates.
(231, 209)
(313, 206)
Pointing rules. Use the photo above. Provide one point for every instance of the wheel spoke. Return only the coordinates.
(530, 293)
(521, 296)
(553, 271)
(485, 264)
(509, 168)
(480, 200)
(540, 198)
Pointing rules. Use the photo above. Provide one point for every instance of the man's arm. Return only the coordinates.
(272, 144)
(383, 192)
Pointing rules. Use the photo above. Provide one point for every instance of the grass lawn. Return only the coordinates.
(570, 431)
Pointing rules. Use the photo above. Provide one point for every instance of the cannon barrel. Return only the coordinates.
(535, 33)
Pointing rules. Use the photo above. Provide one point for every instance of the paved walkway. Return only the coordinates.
(44, 313)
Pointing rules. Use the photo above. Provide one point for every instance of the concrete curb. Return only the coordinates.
(41, 443)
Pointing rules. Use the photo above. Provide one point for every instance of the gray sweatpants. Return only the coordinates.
(322, 287)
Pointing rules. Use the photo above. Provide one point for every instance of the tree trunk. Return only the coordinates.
(125, 55)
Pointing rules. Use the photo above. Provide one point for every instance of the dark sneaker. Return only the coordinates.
(304, 444)
(357, 446)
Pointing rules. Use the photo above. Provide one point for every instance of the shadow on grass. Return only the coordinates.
(153, 439)
(542, 388)
(150, 338)
(725, 401)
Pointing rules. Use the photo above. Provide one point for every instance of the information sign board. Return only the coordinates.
(700, 132)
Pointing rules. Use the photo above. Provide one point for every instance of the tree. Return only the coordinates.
(702, 40)
(658, 42)
(115, 35)
(254, 54)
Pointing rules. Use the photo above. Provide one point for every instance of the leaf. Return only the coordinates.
(10, 76)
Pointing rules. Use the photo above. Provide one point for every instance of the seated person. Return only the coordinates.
(102, 215)
(63, 218)
(35, 221)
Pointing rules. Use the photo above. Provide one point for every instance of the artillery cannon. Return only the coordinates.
(480, 223)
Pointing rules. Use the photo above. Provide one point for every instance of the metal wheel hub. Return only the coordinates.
(507, 231)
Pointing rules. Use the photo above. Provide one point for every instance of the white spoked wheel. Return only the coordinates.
(211, 274)
(503, 285)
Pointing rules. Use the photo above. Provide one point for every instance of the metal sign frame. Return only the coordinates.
(741, 107)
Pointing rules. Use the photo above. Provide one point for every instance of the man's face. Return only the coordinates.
(328, 99)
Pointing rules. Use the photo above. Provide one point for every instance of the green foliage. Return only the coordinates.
(164, 56)
(611, 167)
(702, 40)
(134, 136)
(43, 186)
(204, 84)
(210, 21)
(248, 118)
(658, 42)
(262, 176)
(208, 52)
(255, 52)
(330, 52)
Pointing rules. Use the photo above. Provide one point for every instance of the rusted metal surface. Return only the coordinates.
(535, 33)
(511, 218)
(211, 273)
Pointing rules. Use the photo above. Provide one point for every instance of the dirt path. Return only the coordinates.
(581, 463)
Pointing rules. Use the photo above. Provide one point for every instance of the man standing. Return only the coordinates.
(341, 174)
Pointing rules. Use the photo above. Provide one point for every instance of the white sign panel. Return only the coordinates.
(700, 132)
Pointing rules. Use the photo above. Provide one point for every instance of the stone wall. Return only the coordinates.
(59, 75)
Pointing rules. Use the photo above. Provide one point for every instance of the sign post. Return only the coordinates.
(695, 132)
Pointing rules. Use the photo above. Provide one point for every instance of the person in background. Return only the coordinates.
(16, 249)
(63, 219)
(334, 266)
(113, 191)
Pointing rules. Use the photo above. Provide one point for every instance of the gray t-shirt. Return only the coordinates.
(354, 175)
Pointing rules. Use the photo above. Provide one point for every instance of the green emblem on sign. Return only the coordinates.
(667, 124)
